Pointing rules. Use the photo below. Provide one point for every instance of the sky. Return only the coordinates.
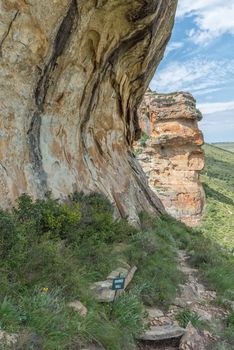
(200, 59)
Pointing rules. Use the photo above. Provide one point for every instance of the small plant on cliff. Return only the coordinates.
(144, 138)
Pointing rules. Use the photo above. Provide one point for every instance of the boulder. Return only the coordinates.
(7, 339)
(191, 339)
(154, 312)
(102, 291)
(188, 292)
(162, 333)
(229, 304)
(204, 315)
(79, 307)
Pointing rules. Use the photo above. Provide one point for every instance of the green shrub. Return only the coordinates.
(143, 140)
(185, 316)
(47, 217)
(204, 251)
(215, 264)
(174, 232)
(97, 223)
(9, 315)
(158, 275)
(8, 233)
(51, 252)
(230, 319)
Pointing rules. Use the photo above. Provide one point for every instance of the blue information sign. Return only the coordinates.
(118, 283)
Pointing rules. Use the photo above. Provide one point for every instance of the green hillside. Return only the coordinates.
(228, 146)
(218, 179)
(51, 253)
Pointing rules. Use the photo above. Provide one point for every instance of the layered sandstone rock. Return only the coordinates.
(172, 157)
(72, 74)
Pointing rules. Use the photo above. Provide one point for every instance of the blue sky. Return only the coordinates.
(200, 59)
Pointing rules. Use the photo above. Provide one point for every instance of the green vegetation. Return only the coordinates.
(154, 251)
(51, 252)
(185, 316)
(144, 138)
(219, 165)
(215, 264)
(227, 146)
(218, 179)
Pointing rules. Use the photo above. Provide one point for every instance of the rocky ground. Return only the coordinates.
(194, 296)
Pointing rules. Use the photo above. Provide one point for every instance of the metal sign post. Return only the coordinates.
(117, 284)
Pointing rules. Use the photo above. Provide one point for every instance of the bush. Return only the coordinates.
(8, 233)
(215, 264)
(97, 223)
(9, 315)
(47, 217)
(158, 274)
(143, 140)
(185, 316)
(229, 331)
(51, 252)
(129, 314)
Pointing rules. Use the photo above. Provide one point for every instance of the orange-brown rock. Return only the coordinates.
(172, 157)
(72, 74)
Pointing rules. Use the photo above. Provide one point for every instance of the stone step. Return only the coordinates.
(162, 333)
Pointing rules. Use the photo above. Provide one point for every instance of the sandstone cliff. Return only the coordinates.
(172, 157)
(72, 74)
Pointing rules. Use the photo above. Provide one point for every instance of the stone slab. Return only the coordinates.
(163, 333)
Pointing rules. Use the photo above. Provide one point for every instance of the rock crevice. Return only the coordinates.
(61, 40)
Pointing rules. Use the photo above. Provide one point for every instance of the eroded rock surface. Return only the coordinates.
(172, 157)
(72, 74)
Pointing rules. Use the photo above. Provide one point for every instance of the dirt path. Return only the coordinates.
(193, 296)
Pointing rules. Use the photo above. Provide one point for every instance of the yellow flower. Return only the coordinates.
(45, 289)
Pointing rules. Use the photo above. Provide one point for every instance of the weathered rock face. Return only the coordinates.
(172, 157)
(72, 74)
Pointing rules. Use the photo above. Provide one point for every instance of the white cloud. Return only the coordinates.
(198, 75)
(212, 17)
(207, 108)
(218, 126)
(188, 7)
(200, 92)
(174, 46)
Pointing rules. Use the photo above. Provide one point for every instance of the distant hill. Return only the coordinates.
(218, 181)
(228, 146)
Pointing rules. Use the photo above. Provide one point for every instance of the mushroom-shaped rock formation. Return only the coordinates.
(172, 156)
(72, 75)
